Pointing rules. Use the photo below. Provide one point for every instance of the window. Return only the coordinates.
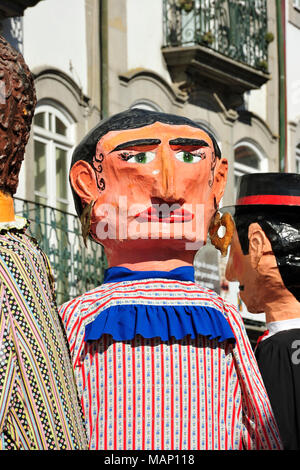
(296, 4)
(248, 159)
(53, 143)
(52, 154)
(147, 105)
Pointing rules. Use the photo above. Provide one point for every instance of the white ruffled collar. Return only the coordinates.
(18, 224)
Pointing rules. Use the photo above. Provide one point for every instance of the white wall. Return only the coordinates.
(257, 102)
(145, 36)
(293, 72)
(55, 36)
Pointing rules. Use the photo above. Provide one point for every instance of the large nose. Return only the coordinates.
(166, 188)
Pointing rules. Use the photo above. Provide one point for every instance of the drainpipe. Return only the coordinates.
(281, 35)
(104, 57)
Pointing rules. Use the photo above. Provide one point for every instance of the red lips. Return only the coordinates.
(162, 214)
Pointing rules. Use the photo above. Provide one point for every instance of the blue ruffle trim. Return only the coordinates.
(124, 322)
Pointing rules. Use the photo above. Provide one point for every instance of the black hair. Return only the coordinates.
(129, 119)
(282, 227)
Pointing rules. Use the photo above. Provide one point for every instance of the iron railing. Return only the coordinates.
(234, 28)
(76, 269)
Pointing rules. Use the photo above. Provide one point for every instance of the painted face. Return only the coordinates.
(239, 268)
(154, 182)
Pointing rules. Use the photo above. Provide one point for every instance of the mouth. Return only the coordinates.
(167, 216)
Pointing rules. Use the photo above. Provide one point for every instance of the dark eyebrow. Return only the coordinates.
(184, 142)
(136, 143)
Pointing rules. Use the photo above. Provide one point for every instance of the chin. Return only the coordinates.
(252, 307)
(255, 310)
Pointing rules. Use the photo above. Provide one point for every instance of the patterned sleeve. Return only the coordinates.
(7, 359)
(70, 316)
(260, 430)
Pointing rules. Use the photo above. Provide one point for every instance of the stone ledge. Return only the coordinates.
(201, 65)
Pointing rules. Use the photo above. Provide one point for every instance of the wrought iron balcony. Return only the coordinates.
(223, 40)
(76, 269)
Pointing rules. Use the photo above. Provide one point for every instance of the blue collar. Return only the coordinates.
(124, 321)
(119, 274)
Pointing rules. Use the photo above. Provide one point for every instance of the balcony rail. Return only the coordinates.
(76, 269)
(234, 28)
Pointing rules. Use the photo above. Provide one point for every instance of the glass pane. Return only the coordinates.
(40, 199)
(39, 119)
(51, 122)
(40, 167)
(62, 206)
(60, 127)
(61, 173)
(246, 156)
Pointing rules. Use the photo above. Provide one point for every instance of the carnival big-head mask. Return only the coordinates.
(265, 251)
(148, 180)
(17, 103)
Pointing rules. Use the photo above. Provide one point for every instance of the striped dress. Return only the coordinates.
(145, 393)
(39, 407)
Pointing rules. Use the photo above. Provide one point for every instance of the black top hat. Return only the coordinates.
(267, 189)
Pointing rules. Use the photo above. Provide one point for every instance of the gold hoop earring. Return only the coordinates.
(85, 220)
(221, 243)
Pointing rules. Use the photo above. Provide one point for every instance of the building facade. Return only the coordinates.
(60, 41)
(292, 22)
(216, 62)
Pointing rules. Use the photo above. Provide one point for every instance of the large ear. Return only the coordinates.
(83, 181)
(220, 178)
(258, 244)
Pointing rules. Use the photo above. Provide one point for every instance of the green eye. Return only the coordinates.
(142, 157)
(187, 157)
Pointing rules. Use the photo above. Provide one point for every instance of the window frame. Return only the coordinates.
(296, 4)
(53, 140)
(240, 169)
(147, 105)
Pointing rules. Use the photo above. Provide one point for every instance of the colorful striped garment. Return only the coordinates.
(194, 392)
(39, 407)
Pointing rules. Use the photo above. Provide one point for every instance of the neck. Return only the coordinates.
(158, 257)
(7, 213)
(282, 307)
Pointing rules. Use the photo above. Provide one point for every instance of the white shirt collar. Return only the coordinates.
(282, 325)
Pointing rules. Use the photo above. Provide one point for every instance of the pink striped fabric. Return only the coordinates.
(172, 395)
